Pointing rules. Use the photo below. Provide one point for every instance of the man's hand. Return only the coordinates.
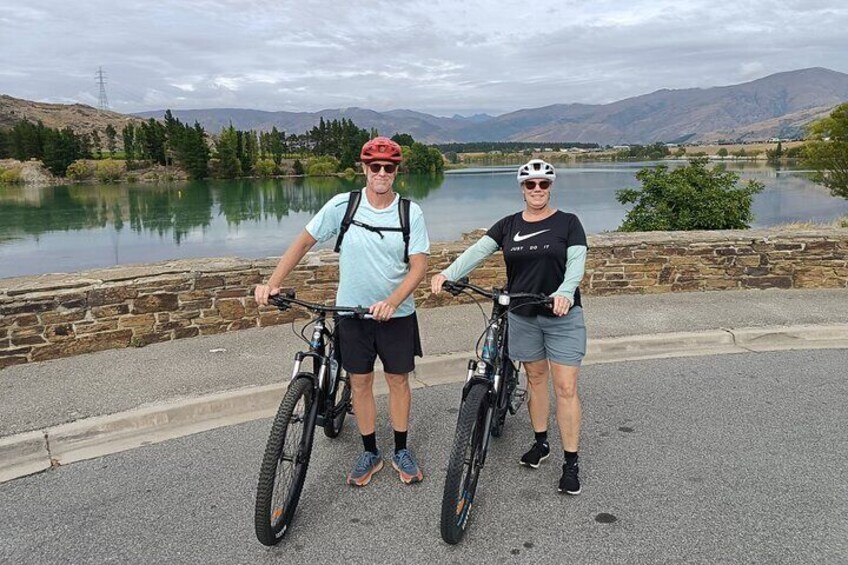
(263, 291)
(561, 305)
(436, 283)
(382, 310)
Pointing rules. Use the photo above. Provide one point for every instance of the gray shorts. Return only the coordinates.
(561, 340)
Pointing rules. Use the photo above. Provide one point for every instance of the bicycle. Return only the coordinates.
(320, 397)
(491, 390)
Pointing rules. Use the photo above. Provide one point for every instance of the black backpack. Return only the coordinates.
(353, 204)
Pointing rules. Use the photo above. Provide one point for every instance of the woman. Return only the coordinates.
(545, 252)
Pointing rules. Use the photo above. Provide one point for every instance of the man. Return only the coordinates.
(373, 272)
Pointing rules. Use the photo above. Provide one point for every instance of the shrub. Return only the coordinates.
(109, 170)
(12, 175)
(688, 198)
(265, 168)
(322, 166)
(80, 170)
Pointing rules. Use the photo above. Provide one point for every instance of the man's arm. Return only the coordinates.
(385, 309)
(299, 247)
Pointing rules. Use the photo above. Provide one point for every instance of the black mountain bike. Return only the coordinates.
(491, 390)
(316, 397)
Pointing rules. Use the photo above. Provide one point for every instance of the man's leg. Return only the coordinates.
(364, 406)
(400, 400)
(365, 409)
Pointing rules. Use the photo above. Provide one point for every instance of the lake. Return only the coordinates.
(77, 227)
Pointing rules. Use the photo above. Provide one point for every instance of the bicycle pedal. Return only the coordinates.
(518, 398)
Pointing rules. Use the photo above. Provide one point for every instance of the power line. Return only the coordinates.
(102, 102)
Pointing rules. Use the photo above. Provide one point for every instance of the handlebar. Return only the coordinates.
(286, 298)
(456, 287)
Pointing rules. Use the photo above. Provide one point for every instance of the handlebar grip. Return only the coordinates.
(453, 287)
(281, 300)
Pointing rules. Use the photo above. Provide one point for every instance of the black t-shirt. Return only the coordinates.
(535, 254)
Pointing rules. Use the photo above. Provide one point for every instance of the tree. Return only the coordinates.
(827, 151)
(97, 144)
(277, 145)
(688, 198)
(226, 146)
(722, 152)
(403, 139)
(4, 145)
(110, 139)
(420, 159)
(128, 134)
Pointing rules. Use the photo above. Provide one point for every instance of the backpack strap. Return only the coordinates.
(352, 205)
(403, 212)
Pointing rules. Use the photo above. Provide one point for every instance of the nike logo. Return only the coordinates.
(518, 237)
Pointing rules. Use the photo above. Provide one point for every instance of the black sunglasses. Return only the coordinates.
(531, 184)
(389, 168)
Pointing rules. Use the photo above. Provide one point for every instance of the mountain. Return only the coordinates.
(779, 105)
(692, 114)
(79, 117)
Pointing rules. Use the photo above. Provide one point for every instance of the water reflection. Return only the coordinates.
(70, 228)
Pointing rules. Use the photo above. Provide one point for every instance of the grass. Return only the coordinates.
(837, 223)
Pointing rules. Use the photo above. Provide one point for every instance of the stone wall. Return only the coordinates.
(49, 316)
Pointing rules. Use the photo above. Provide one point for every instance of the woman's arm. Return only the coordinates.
(465, 263)
(575, 268)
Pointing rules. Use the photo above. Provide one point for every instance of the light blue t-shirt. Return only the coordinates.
(371, 267)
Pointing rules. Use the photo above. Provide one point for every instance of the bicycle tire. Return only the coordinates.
(470, 426)
(510, 383)
(273, 515)
(334, 422)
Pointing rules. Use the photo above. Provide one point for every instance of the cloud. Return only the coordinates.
(441, 57)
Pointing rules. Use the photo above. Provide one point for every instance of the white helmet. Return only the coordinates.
(536, 169)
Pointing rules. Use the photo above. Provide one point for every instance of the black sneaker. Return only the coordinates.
(569, 483)
(538, 453)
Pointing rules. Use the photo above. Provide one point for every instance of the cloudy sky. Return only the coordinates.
(441, 57)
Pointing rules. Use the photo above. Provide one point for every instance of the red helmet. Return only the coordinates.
(381, 149)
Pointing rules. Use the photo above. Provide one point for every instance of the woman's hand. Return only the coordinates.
(263, 291)
(436, 283)
(561, 305)
(382, 310)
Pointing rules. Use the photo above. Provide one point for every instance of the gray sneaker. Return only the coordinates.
(366, 465)
(404, 463)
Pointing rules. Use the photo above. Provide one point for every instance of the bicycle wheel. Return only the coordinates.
(464, 464)
(339, 407)
(285, 462)
(510, 383)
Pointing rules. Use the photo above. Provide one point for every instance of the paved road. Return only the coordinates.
(122, 379)
(721, 459)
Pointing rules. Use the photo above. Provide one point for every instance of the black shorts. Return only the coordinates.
(395, 341)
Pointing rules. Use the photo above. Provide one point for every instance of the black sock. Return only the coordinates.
(542, 437)
(570, 458)
(370, 442)
(400, 440)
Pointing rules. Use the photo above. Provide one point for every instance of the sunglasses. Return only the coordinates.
(531, 184)
(389, 168)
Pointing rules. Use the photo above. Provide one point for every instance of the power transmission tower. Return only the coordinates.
(103, 102)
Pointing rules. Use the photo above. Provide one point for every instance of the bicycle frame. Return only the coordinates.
(326, 369)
